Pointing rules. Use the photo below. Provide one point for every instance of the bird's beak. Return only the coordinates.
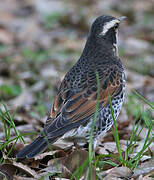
(122, 18)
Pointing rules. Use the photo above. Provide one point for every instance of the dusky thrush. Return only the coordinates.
(74, 106)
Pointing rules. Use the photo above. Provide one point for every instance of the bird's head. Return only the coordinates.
(104, 31)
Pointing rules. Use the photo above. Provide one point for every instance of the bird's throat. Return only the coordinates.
(115, 49)
(115, 45)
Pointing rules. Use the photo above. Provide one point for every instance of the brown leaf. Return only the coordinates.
(76, 159)
(138, 148)
(143, 178)
(116, 173)
(5, 36)
(111, 146)
(56, 167)
(69, 164)
(62, 144)
(23, 128)
(22, 178)
(49, 71)
(144, 168)
(16, 148)
(101, 150)
(25, 169)
(136, 46)
(43, 155)
(26, 98)
(8, 170)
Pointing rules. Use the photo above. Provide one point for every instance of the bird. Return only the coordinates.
(74, 106)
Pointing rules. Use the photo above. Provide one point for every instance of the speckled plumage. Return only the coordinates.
(75, 104)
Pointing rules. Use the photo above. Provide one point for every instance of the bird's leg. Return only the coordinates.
(76, 145)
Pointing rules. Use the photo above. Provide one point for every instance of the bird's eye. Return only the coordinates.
(116, 26)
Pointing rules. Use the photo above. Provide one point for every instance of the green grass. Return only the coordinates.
(8, 91)
(8, 123)
(79, 172)
(91, 154)
(35, 58)
(143, 99)
(52, 19)
(115, 131)
(132, 163)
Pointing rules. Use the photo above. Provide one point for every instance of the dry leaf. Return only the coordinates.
(22, 178)
(26, 98)
(145, 168)
(43, 155)
(116, 173)
(101, 150)
(111, 146)
(25, 169)
(7, 170)
(5, 37)
(76, 159)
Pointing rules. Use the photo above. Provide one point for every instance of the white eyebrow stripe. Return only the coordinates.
(109, 25)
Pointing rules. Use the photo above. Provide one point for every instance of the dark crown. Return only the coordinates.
(103, 24)
(102, 37)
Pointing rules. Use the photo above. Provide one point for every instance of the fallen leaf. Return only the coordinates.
(5, 37)
(145, 168)
(27, 128)
(112, 148)
(136, 45)
(49, 71)
(62, 144)
(41, 156)
(101, 150)
(24, 169)
(141, 177)
(116, 173)
(76, 159)
(7, 170)
(26, 98)
(22, 178)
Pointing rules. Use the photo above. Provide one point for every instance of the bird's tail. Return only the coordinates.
(37, 146)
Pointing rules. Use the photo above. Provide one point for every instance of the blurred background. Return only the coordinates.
(40, 40)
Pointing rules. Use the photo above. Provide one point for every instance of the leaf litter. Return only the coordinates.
(39, 42)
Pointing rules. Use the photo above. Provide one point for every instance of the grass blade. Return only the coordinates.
(143, 99)
(115, 131)
(93, 125)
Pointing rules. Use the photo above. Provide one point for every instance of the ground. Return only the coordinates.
(40, 40)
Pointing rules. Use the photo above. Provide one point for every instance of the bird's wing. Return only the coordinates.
(70, 108)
